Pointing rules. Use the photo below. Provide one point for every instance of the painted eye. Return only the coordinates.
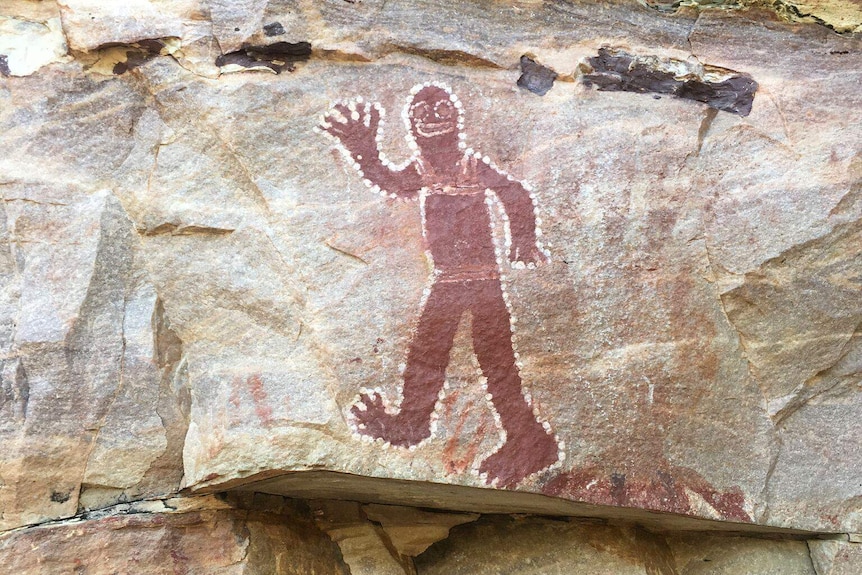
(444, 109)
(422, 111)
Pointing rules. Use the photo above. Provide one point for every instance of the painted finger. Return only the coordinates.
(333, 130)
(344, 109)
(354, 113)
(324, 123)
(337, 115)
(367, 114)
(376, 400)
(375, 113)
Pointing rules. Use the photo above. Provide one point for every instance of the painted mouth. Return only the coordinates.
(431, 129)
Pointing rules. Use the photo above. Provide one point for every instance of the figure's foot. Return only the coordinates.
(402, 429)
(519, 458)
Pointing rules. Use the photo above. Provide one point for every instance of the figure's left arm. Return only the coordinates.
(519, 204)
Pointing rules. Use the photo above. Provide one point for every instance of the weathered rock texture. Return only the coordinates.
(542, 546)
(175, 536)
(201, 290)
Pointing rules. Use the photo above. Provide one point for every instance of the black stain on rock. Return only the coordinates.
(4, 66)
(615, 70)
(536, 78)
(274, 58)
(121, 68)
(58, 497)
(243, 61)
(273, 29)
(138, 53)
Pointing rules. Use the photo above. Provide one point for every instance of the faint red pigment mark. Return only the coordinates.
(235, 391)
(180, 560)
(449, 401)
(216, 443)
(456, 189)
(660, 491)
(258, 397)
(460, 465)
(451, 460)
(253, 385)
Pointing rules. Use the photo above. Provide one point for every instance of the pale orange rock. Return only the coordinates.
(149, 540)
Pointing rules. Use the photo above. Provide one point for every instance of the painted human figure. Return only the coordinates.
(455, 188)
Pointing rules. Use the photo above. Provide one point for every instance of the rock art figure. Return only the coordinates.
(456, 189)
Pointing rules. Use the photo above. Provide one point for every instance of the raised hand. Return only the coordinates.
(354, 124)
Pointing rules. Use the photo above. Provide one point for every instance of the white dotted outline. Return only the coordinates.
(491, 199)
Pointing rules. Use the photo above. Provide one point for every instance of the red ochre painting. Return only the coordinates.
(456, 189)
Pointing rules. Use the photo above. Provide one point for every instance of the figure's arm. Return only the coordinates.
(520, 205)
(355, 125)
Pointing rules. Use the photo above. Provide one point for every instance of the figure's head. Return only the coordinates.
(434, 113)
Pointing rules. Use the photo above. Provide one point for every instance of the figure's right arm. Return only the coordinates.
(355, 125)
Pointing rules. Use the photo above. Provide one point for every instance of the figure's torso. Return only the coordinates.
(457, 224)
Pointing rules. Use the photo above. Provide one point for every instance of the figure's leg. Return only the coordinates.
(424, 374)
(529, 447)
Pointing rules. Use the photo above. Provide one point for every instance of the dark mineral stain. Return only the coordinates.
(445, 57)
(138, 53)
(615, 70)
(4, 66)
(151, 45)
(275, 57)
(273, 29)
(23, 385)
(58, 497)
(183, 230)
(243, 60)
(297, 50)
(536, 78)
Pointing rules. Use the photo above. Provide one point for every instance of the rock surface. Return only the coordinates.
(188, 537)
(836, 557)
(199, 290)
(544, 547)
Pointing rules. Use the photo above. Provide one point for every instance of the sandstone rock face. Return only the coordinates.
(541, 546)
(836, 557)
(201, 537)
(632, 285)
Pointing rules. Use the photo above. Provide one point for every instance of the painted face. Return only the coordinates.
(433, 113)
